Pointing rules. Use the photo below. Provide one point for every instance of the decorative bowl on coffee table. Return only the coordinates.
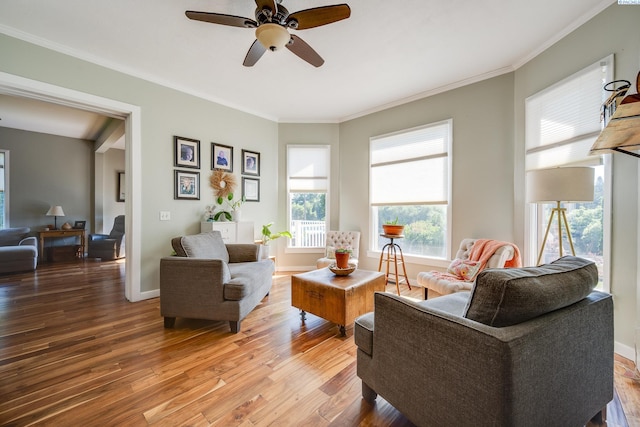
(342, 271)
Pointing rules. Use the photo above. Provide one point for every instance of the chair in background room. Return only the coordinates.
(473, 256)
(336, 240)
(108, 246)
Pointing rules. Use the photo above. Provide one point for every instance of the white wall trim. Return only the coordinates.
(624, 351)
(19, 86)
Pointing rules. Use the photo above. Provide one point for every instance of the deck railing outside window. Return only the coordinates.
(308, 234)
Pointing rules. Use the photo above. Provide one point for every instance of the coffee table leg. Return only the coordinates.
(303, 315)
(343, 331)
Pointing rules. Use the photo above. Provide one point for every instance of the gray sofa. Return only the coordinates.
(210, 280)
(526, 347)
(18, 252)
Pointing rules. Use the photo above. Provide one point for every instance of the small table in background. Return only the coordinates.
(56, 234)
(389, 255)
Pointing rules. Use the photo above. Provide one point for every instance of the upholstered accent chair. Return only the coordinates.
(108, 246)
(460, 274)
(340, 239)
(526, 347)
(208, 279)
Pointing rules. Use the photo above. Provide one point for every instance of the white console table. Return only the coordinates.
(232, 232)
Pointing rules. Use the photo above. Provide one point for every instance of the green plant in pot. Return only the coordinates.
(392, 228)
(268, 236)
(342, 257)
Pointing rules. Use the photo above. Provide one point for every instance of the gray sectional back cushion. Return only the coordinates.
(504, 297)
(12, 236)
(205, 245)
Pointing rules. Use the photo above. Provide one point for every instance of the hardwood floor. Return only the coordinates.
(73, 351)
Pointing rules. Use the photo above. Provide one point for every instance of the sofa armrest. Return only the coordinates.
(493, 374)
(95, 237)
(191, 287)
(29, 241)
(243, 252)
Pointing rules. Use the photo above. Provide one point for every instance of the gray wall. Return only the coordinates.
(164, 113)
(47, 170)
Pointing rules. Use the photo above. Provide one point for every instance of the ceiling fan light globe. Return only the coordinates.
(272, 36)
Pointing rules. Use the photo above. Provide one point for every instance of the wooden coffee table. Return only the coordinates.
(338, 299)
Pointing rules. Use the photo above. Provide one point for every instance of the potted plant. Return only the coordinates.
(229, 210)
(342, 257)
(267, 236)
(392, 228)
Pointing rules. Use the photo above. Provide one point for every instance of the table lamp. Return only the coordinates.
(557, 185)
(55, 212)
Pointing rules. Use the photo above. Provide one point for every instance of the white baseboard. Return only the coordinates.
(624, 351)
(149, 294)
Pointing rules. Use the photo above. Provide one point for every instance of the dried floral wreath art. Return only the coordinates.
(223, 183)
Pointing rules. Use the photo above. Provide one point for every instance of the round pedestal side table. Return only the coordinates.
(389, 256)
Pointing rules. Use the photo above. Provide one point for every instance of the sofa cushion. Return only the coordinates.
(504, 297)
(205, 245)
(12, 236)
(244, 276)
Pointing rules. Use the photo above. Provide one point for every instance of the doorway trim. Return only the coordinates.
(19, 86)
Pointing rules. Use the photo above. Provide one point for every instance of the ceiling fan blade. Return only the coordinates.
(255, 52)
(219, 18)
(270, 4)
(304, 51)
(317, 16)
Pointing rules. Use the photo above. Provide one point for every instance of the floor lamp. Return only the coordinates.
(571, 184)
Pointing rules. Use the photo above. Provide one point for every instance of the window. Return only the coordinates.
(410, 181)
(562, 123)
(308, 169)
(4, 189)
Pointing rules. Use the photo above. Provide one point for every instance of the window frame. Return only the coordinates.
(533, 211)
(5, 171)
(372, 250)
(327, 192)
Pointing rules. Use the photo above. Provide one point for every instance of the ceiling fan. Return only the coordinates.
(272, 22)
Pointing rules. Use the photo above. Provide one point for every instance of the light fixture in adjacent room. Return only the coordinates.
(557, 185)
(55, 212)
(272, 36)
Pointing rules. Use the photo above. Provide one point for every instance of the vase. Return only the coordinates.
(342, 259)
(236, 215)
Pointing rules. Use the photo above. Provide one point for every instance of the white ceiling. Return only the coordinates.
(385, 54)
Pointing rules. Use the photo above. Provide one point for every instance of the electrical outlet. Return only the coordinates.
(165, 215)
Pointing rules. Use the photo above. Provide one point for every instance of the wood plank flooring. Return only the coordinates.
(74, 352)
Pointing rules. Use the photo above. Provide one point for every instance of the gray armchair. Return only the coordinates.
(526, 347)
(210, 280)
(108, 246)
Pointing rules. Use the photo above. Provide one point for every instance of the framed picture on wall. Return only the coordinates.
(186, 152)
(221, 157)
(250, 163)
(251, 189)
(187, 185)
(121, 187)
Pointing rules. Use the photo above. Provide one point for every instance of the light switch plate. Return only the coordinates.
(165, 215)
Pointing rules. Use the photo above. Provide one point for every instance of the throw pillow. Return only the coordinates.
(464, 269)
(508, 296)
(205, 245)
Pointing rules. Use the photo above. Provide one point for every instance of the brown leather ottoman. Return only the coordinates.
(338, 299)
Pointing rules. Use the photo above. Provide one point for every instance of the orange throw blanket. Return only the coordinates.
(481, 251)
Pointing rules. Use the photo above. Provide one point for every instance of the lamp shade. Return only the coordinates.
(272, 36)
(574, 184)
(55, 211)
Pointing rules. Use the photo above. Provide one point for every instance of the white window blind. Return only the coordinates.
(411, 167)
(563, 121)
(308, 168)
